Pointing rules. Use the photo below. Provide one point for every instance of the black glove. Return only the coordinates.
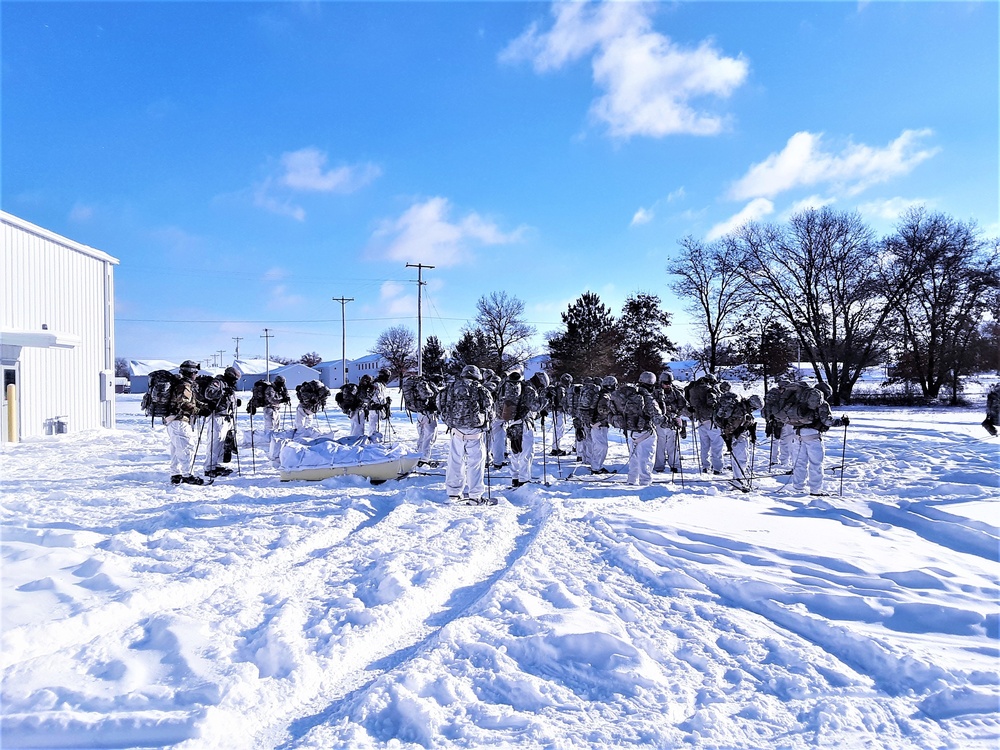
(544, 413)
(768, 428)
(239, 402)
(845, 421)
(387, 413)
(990, 427)
(752, 428)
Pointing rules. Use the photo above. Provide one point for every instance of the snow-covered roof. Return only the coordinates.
(145, 366)
(255, 366)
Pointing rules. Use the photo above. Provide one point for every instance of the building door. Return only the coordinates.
(9, 378)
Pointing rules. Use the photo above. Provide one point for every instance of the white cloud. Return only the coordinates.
(427, 233)
(805, 163)
(648, 82)
(81, 212)
(756, 209)
(642, 216)
(889, 209)
(813, 201)
(305, 171)
(280, 298)
(396, 300)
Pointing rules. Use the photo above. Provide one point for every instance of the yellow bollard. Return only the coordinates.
(11, 413)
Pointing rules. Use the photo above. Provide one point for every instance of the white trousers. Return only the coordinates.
(303, 417)
(182, 441)
(357, 423)
(466, 464)
(498, 441)
(809, 461)
(667, 447)
(640, 458)
(597, 450)
(272, 420)
(787, 445)
(711, 445)
(217, 426)
(741, 457)
(426, 433)
(520, 463)
(558, 429)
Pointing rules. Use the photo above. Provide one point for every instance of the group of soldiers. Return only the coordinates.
(496, 420)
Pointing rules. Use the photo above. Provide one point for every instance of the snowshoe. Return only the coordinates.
(176, 479)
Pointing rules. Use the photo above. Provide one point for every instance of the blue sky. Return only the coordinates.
(248, 162)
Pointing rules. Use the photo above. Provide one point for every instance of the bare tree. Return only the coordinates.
(709, 278)
(310, 359)
(500, 318)
(121, 367)
(397, 346)
(940, 318)
(824, 278)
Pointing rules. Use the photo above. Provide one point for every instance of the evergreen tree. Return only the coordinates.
(433, 357)
(472, 349)
(642, 336)
(586, 346)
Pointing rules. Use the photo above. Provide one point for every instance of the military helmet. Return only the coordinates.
(609, 381)
(825, 388)
(566, 379)
(666, 377)
(189, 366)
(647, 378)
(231, 375)
(488, 374)
(472, 372)
(384, 374)
(279, 380)
(542, 378)
(365, 379)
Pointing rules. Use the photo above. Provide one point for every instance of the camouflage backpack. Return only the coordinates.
(417, 393)
(585, 404)
(628, 409)
(463, 404)
(799, 405)
(313, 394)
(509, 397)
(258, 398)
(702, 396)
(347, 398)
(159, 395)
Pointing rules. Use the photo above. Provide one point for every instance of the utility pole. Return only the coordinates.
(237, 339)
(221, 352)
(343, 335)
(267, 353)
(420, 331)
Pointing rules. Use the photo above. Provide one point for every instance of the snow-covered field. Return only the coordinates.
(260, 614)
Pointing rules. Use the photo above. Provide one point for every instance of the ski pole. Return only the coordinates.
(545, 469)
(679, 452)
(843, 453)
(197, 444)
(253, 450)
(486, 458)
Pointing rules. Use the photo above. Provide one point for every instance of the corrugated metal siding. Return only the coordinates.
(46, 282)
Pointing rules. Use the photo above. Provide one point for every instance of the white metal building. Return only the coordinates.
(56, 330)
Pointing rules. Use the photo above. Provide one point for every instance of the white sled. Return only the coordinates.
(315, 458)
(381, 472)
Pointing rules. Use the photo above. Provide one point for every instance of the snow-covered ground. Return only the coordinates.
(259, 614)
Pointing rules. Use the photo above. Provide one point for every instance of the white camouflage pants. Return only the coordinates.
(303, 417)
(426, 433)
(520, 463)
(711, 445)
(498, 441)
(597, 449)
(640, 458)
(182, 441)
(741, 456)
(217, 426)
(466, 464)
(809, 461)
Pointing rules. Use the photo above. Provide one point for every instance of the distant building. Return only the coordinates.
(139, 370)
(332, 373)
(57, 330)
(686, 370)
(295, 374)
(252, 370)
